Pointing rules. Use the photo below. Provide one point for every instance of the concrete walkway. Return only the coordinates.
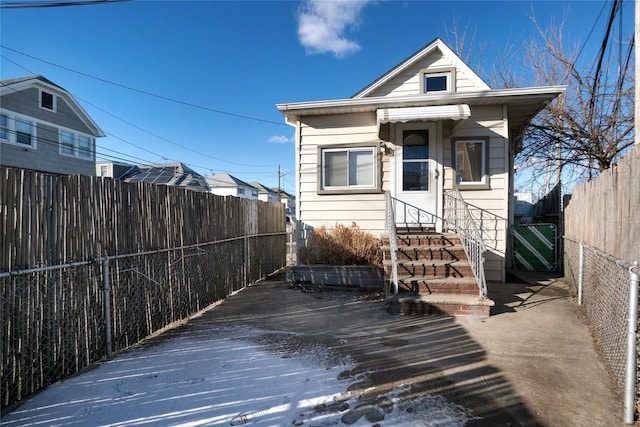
(532, 363)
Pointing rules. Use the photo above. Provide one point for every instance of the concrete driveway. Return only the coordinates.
(532, 363)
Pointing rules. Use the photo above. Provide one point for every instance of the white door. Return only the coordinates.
(417, 175)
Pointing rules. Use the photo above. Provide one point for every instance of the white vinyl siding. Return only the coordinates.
(409, 81)
(315, 210)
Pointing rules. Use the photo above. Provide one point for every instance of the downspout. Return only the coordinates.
(298, 140)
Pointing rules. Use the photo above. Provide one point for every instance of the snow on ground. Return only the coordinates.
(220, 379)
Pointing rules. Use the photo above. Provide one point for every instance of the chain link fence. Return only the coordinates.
(58, 320)
(602, 283)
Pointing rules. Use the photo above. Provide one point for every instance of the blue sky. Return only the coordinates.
(229, 63)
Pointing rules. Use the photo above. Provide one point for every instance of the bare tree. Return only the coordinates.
(586, 130)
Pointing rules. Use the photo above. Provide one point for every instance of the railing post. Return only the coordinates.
(632, 363)
(107, 304)
(580, 271)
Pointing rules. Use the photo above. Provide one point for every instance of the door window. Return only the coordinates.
(415, 160)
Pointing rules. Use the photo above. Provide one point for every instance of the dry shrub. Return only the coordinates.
(341, 245)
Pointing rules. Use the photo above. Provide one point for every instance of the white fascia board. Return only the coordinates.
(350, 105)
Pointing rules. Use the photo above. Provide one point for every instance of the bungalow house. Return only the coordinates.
(43, 128)
(426, 146)
(224, 184)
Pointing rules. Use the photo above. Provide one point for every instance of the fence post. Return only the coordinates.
(630, 377)
(580, 271)
(245, 260)
(107, 304)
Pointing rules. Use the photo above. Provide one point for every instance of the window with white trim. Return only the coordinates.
(47, 101)
(16, 130)
(76, 145)
(24, 132)
(4, 127)
(348, 168)
(67, 144)
(437, 81)
(471, 162)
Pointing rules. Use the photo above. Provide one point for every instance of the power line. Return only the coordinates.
(37, 4)
(144, 92)
(139, 128)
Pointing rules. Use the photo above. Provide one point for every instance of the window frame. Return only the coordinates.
(449, 73)
(5, 129)
(54, 101)
(374, 187)
(76, 150)
(11, 130)
(484, 183)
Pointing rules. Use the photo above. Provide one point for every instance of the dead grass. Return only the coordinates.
(341, 245)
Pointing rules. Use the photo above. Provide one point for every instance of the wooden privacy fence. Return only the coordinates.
(604, 212)
(93, 265)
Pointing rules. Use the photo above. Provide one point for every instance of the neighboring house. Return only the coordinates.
(224, 184)
(289, 201)
(265, 193)
(428, 127)
(43, 128)
(173, 174)
(112, 169)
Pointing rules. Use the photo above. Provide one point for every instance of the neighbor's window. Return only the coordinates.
(470, 157)
(84, 147)
(24, 132)
(348, 168)
(104, 170)
(4, 127)
(67, 143)
(47, 100)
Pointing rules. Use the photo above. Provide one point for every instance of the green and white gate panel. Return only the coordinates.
(534, 247)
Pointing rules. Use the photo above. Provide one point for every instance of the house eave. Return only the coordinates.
(530, 100)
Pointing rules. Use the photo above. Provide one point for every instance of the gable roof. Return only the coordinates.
(262, 189)
(436, 44)
(9, 86)
(224, 180)
(174, 174)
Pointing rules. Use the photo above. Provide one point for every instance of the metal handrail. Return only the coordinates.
(390, 225)
(459, 219)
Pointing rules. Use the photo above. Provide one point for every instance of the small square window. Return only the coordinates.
(437, 81)
(471, 162)
(47, 100)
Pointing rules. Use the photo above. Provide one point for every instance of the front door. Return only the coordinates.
(417, 175)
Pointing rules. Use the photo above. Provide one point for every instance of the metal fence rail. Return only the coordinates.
(57, 320)
(603, 285)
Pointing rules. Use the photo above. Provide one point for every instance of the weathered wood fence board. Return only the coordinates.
(605, 212)
(198, 248)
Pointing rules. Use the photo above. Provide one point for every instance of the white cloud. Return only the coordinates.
(322, 24)
(279, 139)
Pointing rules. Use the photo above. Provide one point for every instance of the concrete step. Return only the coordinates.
(430, 268)
(433, 252)
(439, 304)
(426, 239)
(438, 285)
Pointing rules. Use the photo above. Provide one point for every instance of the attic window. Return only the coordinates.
(47, 101)
(436, 81)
